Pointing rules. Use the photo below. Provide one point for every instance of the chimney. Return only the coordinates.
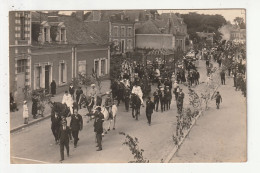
(80, 15)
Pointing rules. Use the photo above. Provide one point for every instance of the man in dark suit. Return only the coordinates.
(76, 124)
(71, 90)
(98, 127)
(78, 93)
(64, 137)
(180, 99)
(222, 76)
(149, 109)
(156, 98)
(127, 98)
(55, 125)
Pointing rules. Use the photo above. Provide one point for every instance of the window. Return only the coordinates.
(122, 31)
(21, 65)
(38, 77)
(115, 31)
(22, 31)
(103, 66)
(62, 72)
(45, 34)
(129, 32)
(129, 44)
(62, 36)
(96, 67)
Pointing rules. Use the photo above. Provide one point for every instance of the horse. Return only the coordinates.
(86, 101)
(136, 104)
(61, 109)
(108, 118)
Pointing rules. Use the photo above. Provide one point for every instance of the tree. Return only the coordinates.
(238, 20)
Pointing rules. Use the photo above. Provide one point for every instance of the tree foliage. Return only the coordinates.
(201, 22)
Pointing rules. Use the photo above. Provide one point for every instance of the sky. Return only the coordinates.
(228, 14)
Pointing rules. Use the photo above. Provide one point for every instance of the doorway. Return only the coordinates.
(47, 78)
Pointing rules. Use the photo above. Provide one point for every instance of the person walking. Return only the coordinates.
(55, 125)
(53, 88)
(168, 98)
(127, 98)
(25, 112)
(76, 125)
(149, 109)
(79, 91)
(222, 76)
(156, 99)
(98, 127)
(218, 99)
(13, 105)
(64, 138)
(180, 100)
(34, 105)
(71, 90)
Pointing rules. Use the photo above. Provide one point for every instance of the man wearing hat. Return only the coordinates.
(108, 101)
(76, 124)
(127, 98)
(162, 98)
(156, 96)
(180, 99)
(149, 109)
(168, 97)
(93, 93)
(71, 90)
(98, 127)
(64, 137)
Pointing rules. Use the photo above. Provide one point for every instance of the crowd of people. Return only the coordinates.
(137, 79)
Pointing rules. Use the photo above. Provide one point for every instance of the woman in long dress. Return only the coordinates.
(34, 106)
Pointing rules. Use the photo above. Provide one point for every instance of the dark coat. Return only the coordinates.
(64, 135)
(76, 122)
(79, 92)
(149, 106)
(34, 105)
(53, 87)
(98, 124)
(55, 121)
(156, 96)
(71, 91)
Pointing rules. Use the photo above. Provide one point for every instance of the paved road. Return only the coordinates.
(37, 143)
(220, 135)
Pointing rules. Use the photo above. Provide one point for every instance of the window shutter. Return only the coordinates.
(65, 73)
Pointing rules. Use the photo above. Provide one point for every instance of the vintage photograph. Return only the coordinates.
(128, 86)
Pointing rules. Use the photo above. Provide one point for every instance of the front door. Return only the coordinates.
(123, 46)
(47, 78)
(20, 86)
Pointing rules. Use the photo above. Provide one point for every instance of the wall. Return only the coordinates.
(155, 41)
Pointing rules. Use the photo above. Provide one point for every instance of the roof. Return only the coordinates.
(147, 27)
(80, 32)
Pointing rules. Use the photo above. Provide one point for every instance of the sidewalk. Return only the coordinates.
(220, 135)
(16, 118)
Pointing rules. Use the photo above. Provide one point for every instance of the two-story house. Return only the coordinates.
(61, 47)
(19, 51)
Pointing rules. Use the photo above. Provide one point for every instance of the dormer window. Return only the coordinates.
(62, 34)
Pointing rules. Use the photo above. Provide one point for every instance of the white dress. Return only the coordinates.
(67, 99)
(137, 90)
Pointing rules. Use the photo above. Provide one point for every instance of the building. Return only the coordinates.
(173, 24)
(208, 37)
(119, 27)
(61, 47)
(238, 35)
(19, 52)
(149, 36)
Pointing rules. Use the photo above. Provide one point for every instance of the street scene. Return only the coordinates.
(127, 86)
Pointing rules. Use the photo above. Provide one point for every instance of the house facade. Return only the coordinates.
(19, 52)
(59, 48)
